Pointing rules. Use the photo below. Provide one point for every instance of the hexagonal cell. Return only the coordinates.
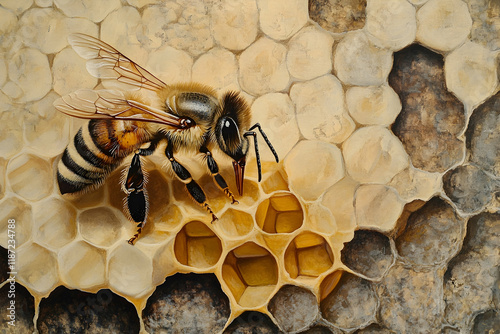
(37, 268)
(263, 67)
(234, 24)
(30, 177)
(469, 187)
(22, 312)
(281, 213)
(82, 266)
(308, 255)
(235, 223)
(353, 303)
(411, 299)
(11, 136)
(130, 271)
(281, 19)
(74, 311)
(48, 134)
(321, 115)
(340, 200)
(251, 273)
(196, 245)
(357, 61)
(432, 235)
(478, 65)
(471, 281)
(483, 135)
(443, 24)
(294, 308)
(391, 24)
(55, 223)
(383, 155)
(187, 303)
(252, 322)
(310, 53)
(100, 226)
(338, 16)
(432, 118)
(171, 218)
(377, 206)
(21, 212)
(368, 253)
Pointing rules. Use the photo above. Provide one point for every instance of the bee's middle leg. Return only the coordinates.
(214, 170)
(192, 187)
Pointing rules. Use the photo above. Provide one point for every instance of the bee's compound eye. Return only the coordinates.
(229, 129)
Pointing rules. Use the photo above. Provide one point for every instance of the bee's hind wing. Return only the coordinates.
(109, 104)
(107, 63)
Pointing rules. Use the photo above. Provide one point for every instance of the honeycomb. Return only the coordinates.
(381, 217)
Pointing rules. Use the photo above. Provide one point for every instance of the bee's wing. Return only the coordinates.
(105, 62)
(107, 104)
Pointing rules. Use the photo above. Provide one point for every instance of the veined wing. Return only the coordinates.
(107, 104)
(105, 62)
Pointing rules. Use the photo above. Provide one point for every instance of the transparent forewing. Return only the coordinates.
(107, 63)
(107, 104)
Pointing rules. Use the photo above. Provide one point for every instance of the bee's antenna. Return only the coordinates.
(257, 155)
(257, 125)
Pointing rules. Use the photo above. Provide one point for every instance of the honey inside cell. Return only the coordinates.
(281, 213)
(329, 283)
(308, 255)
(197, 246)
(235, 223)
(251, 274)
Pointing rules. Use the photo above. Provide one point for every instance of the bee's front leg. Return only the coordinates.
(185, 177)
(214, 170)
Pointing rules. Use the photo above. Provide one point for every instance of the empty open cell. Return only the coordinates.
(281, 213)
(251, 273)
(197, 246)
(308, 255)
(235, 223)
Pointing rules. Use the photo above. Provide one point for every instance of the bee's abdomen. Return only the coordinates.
(85, 162)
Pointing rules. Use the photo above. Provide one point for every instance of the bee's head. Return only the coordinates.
(232, 123)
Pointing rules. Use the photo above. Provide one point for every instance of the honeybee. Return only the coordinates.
(185, 116)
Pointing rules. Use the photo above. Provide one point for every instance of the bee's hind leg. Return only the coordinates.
(214, 170)
(192, 187)
(137, 198)
(137, 203)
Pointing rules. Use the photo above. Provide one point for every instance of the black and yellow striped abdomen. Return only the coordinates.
(97, 149)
